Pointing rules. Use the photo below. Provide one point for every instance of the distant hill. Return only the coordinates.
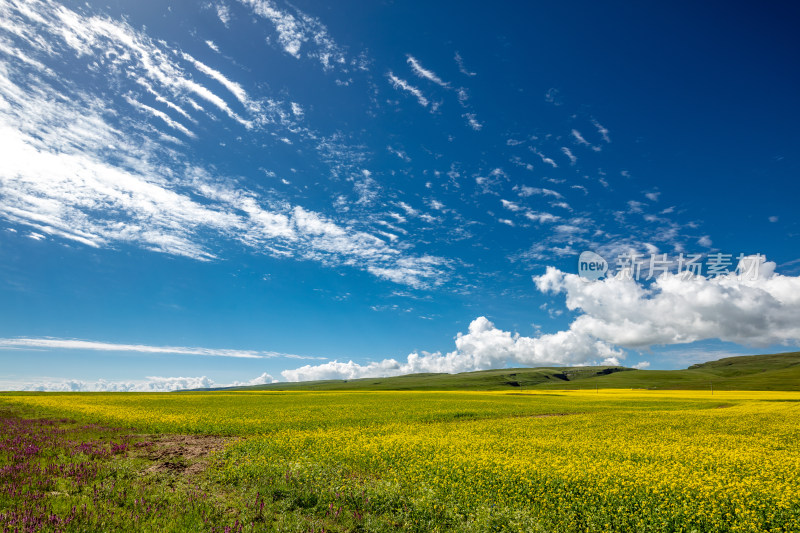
(507, 378)
(751, 372)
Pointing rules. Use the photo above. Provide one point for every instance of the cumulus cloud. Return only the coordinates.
(151, 384)
(758, 307)
(263, 379)
(484, 346)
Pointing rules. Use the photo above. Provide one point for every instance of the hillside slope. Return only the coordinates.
(753, 372)
(499, 379)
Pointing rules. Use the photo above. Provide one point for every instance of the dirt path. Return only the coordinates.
(182, 454)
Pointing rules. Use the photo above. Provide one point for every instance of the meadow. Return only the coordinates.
(607, 460)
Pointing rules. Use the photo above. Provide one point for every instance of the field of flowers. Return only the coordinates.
(481, 461)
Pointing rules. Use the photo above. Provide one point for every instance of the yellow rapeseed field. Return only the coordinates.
(527, 461)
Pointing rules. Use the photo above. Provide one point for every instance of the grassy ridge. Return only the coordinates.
(753, 372)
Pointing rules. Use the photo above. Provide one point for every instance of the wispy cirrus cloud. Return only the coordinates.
(602, 131)
(567, 152)
(297, 30)
(424, 73)
(544, 158)
(50, 343)
(579, 138)
(403, 85)
(76, 171)
(462, 67)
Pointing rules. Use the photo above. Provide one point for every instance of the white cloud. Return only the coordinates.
(163, 116)
(73, 171)
(545, 159)
(461, 67)
(50, 343)
(641, 365)
(652, 196)
(232, 86)
(263, 379)
(297, 30)
(773, 219)
(634, 206)
(223, 13)
(212, 45)
(422, 72)
(541, 217)
(403, 85)
(553, 96)
(705, 241)
(399, 153)
(570, 155)
(151, 384)
(463, 96)
(366, 187)
(602, 131)
(408, 209)
(615, 312)
(472, 121)
(120, 51)
(525, 191)
(677, 310)
(579, 138)
(483, 347)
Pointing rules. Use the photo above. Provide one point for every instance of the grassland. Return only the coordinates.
(521, 460)
(755, 372)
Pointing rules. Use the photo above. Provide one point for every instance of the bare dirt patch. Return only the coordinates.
(182, 454)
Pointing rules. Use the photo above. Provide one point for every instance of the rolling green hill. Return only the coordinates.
(753, 372)
(507, 378)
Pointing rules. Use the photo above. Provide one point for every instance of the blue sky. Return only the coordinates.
(232, 191)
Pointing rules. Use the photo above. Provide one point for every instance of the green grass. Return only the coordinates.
(753, 372)
(498, 379)
(384, 461)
